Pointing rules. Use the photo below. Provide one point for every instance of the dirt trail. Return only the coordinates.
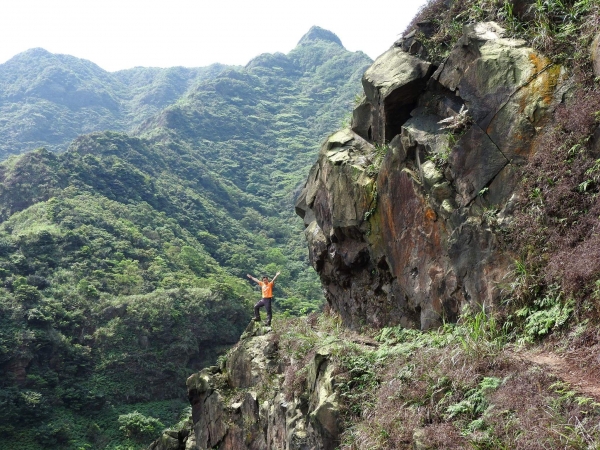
(581, 379)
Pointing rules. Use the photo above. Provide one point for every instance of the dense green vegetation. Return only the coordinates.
(480, 383)
(48, 100)
(123, 259)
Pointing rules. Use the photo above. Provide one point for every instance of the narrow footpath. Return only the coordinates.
(566, 368)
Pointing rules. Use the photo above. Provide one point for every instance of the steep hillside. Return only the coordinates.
(259, 125)
(468, 175)
(311, 383)
(124, 258)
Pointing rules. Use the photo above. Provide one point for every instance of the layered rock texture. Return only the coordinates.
(242, 404)
(409, 238)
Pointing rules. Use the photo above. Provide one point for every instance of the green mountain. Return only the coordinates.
(48, 100)
(123, 259)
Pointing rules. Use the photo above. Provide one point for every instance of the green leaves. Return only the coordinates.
(139, 426)
(123, 260)
(545, 314)
(474, 405)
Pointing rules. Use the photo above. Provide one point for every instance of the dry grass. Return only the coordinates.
(555, 226)
(417, 392)
(398, 386)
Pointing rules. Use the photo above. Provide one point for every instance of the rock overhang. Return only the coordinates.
(390, 247)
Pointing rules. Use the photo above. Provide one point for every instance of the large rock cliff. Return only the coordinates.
(243, 404)
(403, 210)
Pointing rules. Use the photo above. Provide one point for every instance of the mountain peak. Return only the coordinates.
(319, 34)
(37, 51)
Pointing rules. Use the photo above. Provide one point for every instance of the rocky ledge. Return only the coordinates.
(409, 238)
(243, 403)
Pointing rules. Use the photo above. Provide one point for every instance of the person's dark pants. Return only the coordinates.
(266, 302)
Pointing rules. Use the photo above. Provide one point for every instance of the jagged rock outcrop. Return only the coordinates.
(242, 405)
(412, 241)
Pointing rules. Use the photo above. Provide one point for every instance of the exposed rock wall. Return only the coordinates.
(242, 406)
(412, 241)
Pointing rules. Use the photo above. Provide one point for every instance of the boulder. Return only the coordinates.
(442, 191)
(502, 67)
(514, 125)
(411, 42)
(210, 423)
(508, 88)
(235, 411)
(393, 70)
(362, 120)
(409, 246)
(397, 149)
(339, 191)
(424, 135)
(430, 174)
(450, 72)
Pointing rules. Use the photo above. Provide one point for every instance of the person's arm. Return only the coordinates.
(275, 277)
(252, 278)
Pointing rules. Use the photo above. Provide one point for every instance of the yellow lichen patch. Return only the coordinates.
(538, 93)
(539, 62)
(546, 79)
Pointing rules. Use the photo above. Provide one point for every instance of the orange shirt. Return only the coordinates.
(267, 289)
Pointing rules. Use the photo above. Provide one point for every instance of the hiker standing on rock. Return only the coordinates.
(267, 296)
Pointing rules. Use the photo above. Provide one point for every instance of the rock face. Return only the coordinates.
(242, 405)
(411, 238)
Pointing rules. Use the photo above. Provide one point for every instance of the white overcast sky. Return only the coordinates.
(120, 34)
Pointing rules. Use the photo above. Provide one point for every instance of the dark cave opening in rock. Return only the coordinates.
(399, 104)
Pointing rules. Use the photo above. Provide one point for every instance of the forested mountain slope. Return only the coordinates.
(123, 259)
(49, 99)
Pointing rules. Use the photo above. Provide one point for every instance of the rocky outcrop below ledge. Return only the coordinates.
(403, 210)
(243, 403)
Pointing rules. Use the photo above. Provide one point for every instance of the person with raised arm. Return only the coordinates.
(266, 287)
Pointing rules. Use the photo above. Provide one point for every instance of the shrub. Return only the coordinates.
(138, 426)
(480, 334)
(54, 433)
(545, 314)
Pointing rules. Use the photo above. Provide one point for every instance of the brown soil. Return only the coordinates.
(567, 368)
